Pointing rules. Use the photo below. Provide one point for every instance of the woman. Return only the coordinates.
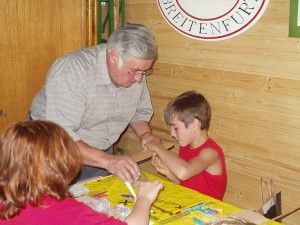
(38, 160)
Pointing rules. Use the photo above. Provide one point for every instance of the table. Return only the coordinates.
(172, 199)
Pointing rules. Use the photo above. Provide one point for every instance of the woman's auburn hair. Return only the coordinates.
(37, 159)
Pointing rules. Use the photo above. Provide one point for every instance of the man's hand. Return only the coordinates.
(154, 145)
(146, 138)
(124, 167)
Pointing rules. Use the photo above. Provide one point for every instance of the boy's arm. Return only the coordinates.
(182, 169)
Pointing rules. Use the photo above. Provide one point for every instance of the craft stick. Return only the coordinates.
(286, 214)
(98, 178)
(148, 154)
(174, 217)
(128, 185)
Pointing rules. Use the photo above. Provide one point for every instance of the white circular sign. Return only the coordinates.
(212, 20)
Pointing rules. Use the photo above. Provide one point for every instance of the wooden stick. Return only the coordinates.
(286, 214)
(148, 154)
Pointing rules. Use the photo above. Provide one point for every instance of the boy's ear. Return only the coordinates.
(196, 123)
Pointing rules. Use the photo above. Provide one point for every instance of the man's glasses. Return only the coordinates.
(138, 72)
(133, 72)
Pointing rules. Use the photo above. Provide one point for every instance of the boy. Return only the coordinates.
(200, 164)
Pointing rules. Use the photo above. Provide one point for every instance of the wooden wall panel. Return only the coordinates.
(33, 34)
(252, 82)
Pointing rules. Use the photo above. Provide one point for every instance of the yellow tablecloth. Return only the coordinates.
(171, 199)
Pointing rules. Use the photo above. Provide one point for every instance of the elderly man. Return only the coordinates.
(95, 93)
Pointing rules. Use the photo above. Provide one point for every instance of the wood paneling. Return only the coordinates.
(252, 82)
(33, 34)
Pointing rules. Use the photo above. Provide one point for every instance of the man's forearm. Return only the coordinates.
(92, 156)
(141, 128)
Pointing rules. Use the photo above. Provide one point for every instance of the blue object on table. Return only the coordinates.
(127, 196)
(197, 221)
(193, 208)
(208, 211)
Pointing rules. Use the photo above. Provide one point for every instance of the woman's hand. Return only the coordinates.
(149, 190)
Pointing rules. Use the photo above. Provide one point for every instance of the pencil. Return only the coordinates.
(192, 208)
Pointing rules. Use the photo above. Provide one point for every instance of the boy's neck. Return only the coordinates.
(199, 139)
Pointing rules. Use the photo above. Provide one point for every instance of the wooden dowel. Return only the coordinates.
(285, 215)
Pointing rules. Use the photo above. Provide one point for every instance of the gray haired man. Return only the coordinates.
(96, 92)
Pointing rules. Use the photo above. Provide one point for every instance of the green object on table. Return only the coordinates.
(120, 151)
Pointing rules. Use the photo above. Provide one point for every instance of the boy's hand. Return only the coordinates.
(160, 166)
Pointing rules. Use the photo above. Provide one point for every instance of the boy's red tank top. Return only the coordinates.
(205, 183)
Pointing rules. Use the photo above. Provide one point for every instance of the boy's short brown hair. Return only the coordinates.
(188, 106)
